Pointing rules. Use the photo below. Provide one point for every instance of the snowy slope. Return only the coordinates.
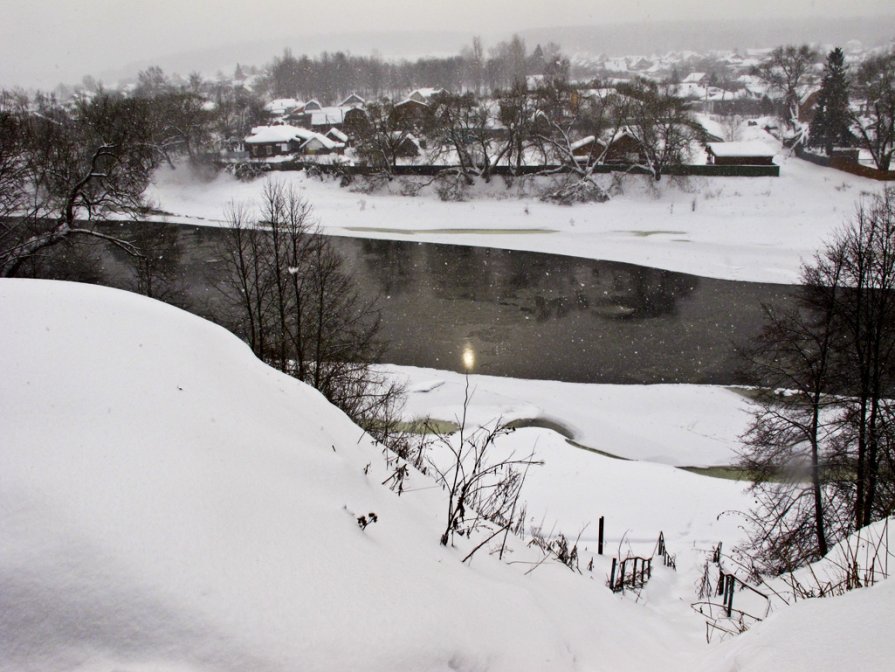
(849, 631)
(167, 502)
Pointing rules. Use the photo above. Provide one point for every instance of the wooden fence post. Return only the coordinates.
(600, 538)
(661, 544)
(728, 597)
(612, 575)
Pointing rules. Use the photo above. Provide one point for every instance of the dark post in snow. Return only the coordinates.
(612, 575)
(661, 543)
(600, 538)
(728, 594)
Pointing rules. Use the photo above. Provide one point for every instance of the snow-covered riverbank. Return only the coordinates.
(755, 229)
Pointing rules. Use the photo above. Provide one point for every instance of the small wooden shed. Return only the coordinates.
(740, 154)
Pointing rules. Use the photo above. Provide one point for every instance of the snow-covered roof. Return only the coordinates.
(352, 101)
(283, 133)
(578, 144)
(323, 141)
(337, 134)
(422, 95)
(711, 126)
(735, 149)
(694, 78)
(327, 116)
(282, 105)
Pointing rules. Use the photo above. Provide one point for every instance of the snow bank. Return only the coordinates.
(680, 425)
(835, 633)
(167, 502)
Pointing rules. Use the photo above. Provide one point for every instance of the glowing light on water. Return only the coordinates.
(468, 358)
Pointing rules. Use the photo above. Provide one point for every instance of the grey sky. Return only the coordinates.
(43, 42)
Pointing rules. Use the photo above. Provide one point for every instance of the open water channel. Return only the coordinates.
(532, 315)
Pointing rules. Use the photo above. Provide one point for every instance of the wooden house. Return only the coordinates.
(624, 148)
(271, 141)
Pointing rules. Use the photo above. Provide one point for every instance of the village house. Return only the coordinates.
(280, 107)
(320, 118)
(284, 140)
(624, 148)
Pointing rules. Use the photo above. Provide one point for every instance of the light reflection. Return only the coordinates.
(468, 357)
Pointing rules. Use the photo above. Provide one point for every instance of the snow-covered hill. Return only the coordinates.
(170, 503)
(167, 502)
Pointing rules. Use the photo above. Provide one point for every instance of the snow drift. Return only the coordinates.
(168, 502)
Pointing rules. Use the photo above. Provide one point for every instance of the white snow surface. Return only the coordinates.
(754, 148)
(680, 425)
(168, 502)
(739, 228)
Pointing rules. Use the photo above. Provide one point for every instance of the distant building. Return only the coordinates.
(272, 141)
(739, 154)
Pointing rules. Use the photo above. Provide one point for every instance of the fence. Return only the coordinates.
(724, 617)
(641, 569)
(846, 165)
(518, 171)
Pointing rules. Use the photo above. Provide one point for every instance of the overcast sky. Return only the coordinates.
(43, 42)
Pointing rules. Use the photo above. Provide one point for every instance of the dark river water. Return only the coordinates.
(532, 315)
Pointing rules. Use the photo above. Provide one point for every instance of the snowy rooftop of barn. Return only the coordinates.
(738, 149)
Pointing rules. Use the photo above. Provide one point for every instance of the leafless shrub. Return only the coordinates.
(480, 489)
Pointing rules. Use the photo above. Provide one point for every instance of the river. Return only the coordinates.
(530, 315)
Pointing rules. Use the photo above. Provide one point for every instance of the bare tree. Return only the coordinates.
(288, 293)
(874, 121)
(866, 318)
(386, 133)
(659, 121)
(569, 120)
(789, 445)
(517, 116)
(72, 170)
(786, 71)
(822, 443)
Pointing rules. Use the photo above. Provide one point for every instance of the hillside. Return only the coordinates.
(167, 502)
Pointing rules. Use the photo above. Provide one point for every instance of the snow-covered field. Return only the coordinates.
(167, 502)
(755, 229)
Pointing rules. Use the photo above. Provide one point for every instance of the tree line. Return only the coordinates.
(334, 76)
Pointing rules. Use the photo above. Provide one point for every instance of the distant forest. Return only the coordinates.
(333, 76)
